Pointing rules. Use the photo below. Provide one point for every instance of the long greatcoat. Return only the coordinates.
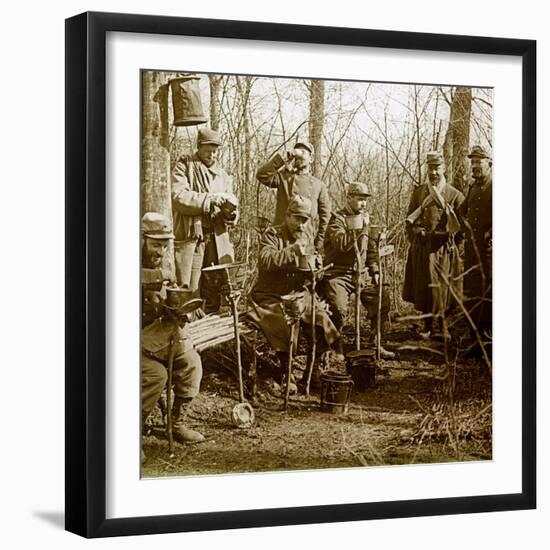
(275, 175)
(278, 275)
(193, 184)
(435, 251)
(477, 212)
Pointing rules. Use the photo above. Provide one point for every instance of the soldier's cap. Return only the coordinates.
(207, 136)
(478, 152)
(358, 188)
(435, 157)
(305, 145)
(299, 206)
(156, 226)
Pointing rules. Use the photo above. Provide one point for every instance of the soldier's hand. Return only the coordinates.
(216, 200)
(376, 279)
(153, 296)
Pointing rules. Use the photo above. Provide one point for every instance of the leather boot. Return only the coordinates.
(384, 353)
(180, 431)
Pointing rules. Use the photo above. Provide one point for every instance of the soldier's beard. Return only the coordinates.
(297, 234)
(151, 260)
(154, 261)
(478, 176)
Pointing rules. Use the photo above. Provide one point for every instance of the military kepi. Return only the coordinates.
(358, 188)
(305, 145)
(478, 152)
(434, 157)
(156, 226)
(206, 136)
(299, 206)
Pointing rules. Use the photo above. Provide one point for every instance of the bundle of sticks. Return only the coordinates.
(213, 330)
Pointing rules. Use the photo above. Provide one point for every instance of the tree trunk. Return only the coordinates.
(155, 155)
(457, 139)
(214, 96)
(418, 137)
(316, 121)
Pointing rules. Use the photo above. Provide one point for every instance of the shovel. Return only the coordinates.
(242, 414)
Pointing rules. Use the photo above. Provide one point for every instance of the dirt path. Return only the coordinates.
(398, 422)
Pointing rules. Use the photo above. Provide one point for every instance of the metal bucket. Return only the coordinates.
(335, 392)
(361, 366)
(186, 101)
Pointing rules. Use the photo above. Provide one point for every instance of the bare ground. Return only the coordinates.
(405, 419)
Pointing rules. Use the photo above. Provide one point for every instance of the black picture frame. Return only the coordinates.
(86, 283)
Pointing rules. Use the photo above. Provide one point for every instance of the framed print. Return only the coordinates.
(292, 294)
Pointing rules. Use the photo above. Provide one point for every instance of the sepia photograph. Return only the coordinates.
(315, 273)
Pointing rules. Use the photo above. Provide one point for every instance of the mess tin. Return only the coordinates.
(355, 221)
(176, 296)
(307, 262)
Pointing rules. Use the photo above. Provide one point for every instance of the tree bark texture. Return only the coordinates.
(155, 155)
(316, 121)
(457, 139)
(214, 97)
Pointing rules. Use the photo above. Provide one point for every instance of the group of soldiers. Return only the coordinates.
(204, 205)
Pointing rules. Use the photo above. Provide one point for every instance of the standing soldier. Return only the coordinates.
(477, 212)
(157, 333)
(292, 176)
(278, 275)
(202, 201)
(433, 230)
(339, 281)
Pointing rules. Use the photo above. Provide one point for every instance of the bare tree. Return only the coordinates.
(214, 82)
(457, 138)
(155, 154)
(316, 121)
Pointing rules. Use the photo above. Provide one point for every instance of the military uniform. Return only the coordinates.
(278, 275)
(195, 187)
(477, 212)
(274, 174)
(338, 283)
(155, 348)
(433, 248)
(157, 332)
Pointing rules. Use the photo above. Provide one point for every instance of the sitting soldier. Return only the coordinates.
(280, 248)
(158, 329)
(340, 280)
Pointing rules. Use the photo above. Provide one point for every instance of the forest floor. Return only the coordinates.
(406, 418)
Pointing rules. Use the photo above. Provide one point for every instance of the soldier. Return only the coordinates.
(291, 176)
(280, 248)
(203, 205)
(433, 230)
(157, 333)
(477, 212)
(339, 281)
